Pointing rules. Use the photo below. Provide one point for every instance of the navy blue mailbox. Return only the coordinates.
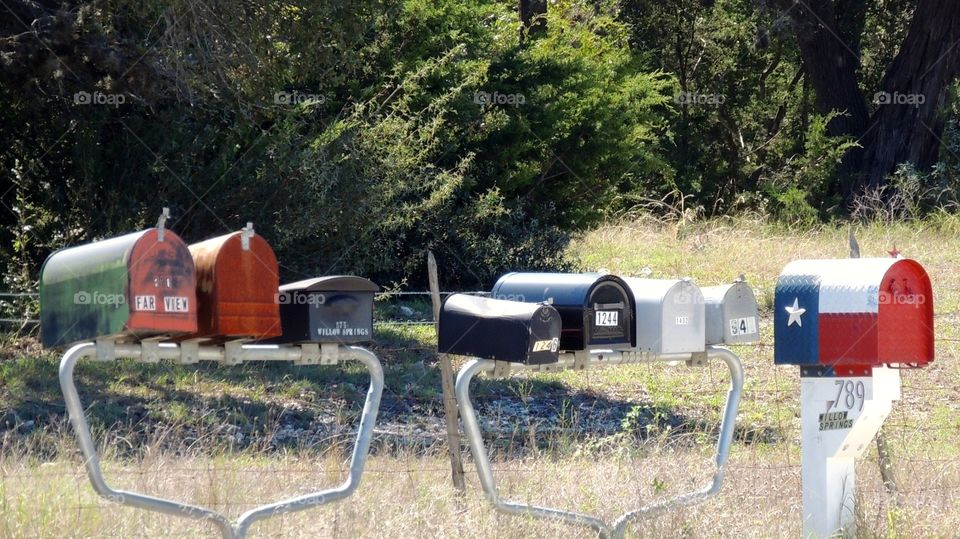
(596, 310)
(499, 330)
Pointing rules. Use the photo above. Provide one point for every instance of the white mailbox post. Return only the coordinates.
(839, 418)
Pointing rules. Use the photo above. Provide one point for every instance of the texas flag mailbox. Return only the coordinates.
(845, 316)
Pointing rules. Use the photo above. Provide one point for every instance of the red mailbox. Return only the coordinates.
(852, 314)
(237, 282)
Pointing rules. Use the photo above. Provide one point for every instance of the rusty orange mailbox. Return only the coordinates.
(127, 288)
(237, 282)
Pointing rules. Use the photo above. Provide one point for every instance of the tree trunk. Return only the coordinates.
(533, 17)
(907, 124)
(908, 121)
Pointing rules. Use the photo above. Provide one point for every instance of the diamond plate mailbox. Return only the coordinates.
(237, 283)
(332, 309)
(127, 288)
(732, 313)
(845, 322)
(499, 330)
(849, 315)
(596, 310)
(669, 315)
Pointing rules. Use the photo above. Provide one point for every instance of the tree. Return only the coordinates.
(907, 124)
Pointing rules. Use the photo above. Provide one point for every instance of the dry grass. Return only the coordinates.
(409, 495)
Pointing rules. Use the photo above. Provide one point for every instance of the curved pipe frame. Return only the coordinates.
(471, 429)
(153, 352)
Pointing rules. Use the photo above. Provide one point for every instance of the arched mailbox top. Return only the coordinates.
(852, 314)
(132, 286)
(596, 309)
(237, 283)
(669, 315)
(345, 283)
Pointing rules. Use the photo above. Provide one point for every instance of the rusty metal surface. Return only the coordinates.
(236, 287)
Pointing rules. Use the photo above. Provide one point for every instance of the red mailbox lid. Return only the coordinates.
(162, 287)
(236, 287)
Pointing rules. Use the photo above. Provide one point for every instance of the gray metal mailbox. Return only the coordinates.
(670, 316)
(732, 316)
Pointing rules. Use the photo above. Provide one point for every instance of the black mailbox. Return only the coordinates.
(499, 330)
(596, 310)
(333, 309)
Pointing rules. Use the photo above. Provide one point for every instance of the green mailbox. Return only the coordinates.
(126, 288)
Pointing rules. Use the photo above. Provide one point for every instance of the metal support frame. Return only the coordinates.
(471, 429)
(226, 355)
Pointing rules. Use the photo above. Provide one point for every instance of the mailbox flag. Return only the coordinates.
(853, 313)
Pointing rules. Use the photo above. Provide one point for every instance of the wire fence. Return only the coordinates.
(520, 423)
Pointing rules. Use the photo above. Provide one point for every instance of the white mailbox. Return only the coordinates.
(731, 311)
(670, 315)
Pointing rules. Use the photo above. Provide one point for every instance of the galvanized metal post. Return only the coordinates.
(474, 436)
(219, 353)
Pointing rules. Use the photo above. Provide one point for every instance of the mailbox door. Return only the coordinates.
(335, 309)
(683, 320)
(732, 314)
(162, 288)
(608, 316)
(669, 315)
(906, 315)
(237, 287)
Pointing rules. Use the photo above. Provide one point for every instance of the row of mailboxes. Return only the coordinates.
(659, 316)
(849, 315)
(150, 285)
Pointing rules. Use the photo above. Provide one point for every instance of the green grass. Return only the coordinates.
(137, 408)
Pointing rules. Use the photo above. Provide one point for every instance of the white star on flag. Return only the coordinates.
(795, 313)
